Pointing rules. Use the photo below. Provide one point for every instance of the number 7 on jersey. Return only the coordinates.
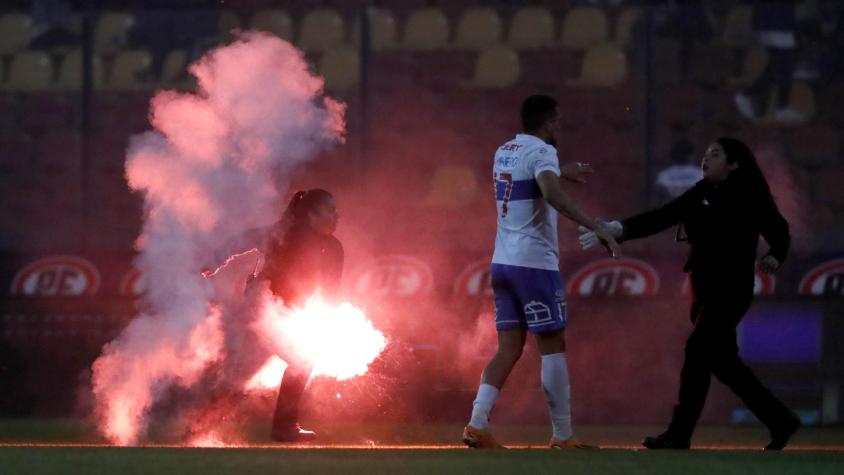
(507, 179)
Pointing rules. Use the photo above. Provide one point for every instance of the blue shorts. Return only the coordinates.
(531, 299)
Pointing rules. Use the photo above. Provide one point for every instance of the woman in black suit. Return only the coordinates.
(722, 217)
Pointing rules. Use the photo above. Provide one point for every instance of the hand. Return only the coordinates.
(576, 171)
(768, 264)
(608, 233)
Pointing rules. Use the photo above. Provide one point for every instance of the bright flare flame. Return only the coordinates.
(338, 341)
(269, 376)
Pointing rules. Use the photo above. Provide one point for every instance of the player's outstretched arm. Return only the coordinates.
(549, 185)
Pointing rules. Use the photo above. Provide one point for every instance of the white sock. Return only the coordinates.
(487, 394)
(555, 383)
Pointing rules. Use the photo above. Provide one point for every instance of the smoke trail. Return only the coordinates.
(215, 165)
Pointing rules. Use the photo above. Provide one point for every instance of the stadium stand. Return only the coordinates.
(426, 29)
(277, 22)
(531, 28)
(321, 30)
(14, 32)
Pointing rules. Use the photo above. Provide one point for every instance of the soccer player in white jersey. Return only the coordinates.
(528, 288)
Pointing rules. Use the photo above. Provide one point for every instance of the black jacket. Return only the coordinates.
(723, 225)
(302, 263)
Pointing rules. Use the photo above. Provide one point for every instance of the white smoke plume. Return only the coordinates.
(215, 166)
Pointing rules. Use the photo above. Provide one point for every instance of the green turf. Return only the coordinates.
(371, 461)
(125, 461)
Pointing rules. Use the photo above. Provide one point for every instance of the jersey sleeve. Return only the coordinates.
(544, 158)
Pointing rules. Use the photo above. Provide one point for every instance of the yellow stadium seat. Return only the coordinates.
(173, 68)
(452, 187)
(227, 23)
(341, 68)
(754, 65)
(383, 31)
(738, 27)
(127, 66)
(603, 66)
(477, 29)
(15, 32)
(70, 72)
(30, 71)
(112, 31)
(426, 30)
(531, 28)
(322, 30)
(277, 22)
(496, 67)
(627, 20)
(584, 27)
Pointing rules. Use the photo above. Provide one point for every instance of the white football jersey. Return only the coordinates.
(527, 224)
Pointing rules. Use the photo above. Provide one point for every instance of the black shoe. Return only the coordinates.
(780, 436)
(293, 434)
(666, 442)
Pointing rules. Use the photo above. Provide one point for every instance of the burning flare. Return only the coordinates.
(338, 341)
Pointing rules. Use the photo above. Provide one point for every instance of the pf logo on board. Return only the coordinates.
(394, 276)
(57, 276)
(133, 284)
(615, 278)
(475, 280)
(826, 279)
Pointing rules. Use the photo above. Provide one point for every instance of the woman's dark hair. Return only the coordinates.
(301, 204)
(748, 177)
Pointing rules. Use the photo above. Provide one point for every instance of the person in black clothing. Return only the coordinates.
(722, 217)
(303, 258)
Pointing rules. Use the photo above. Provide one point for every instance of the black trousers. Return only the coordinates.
(718, 305)
(289, 398)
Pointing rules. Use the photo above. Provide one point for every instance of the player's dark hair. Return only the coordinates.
(748, 177)
(301, 204)
(536, 111)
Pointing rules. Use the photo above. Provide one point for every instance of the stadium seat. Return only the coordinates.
(625, 26)
(452, 186)
(15, 31)
(70, 72)
(341, 68)
(322, 30)
(531, 28)
(496, 67)
(227, 23)
(383, 31)
(30, 71)
(603, 66)
(277, 22)
(426, 30)
(174, 66)
(112, 31)
(584, 27)
(127, 66)
(802, 99)
(477, 29)
(753, 66)
(738, 27)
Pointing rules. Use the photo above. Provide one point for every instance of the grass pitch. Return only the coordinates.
(71, 447)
